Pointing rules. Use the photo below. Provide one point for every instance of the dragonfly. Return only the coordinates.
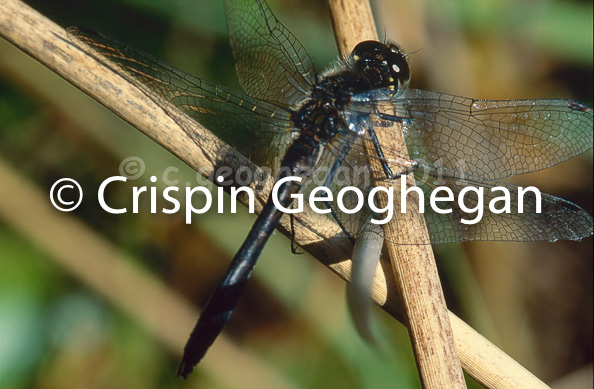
(297, 123)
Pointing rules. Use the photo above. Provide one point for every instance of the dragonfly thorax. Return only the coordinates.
(372, 66)
(318, 119)
(316, 122)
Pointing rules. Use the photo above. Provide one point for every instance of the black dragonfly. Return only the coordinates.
(297, 123)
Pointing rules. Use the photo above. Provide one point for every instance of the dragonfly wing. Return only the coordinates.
(255, 128)
(271, 64)
(558, 219)
(489, 139)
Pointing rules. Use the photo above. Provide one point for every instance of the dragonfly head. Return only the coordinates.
(382, 64)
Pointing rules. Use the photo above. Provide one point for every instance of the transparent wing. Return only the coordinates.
(559, 219)
(271, 64)
(255, 128)
(488, 139)
(430, 122)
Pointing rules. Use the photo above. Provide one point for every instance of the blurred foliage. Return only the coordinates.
(534, 300)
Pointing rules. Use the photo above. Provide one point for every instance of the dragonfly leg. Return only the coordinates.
(337, 164)
(380, 153)
(294, 245)
(411, 165)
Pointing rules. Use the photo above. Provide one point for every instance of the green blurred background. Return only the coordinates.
(292, 329)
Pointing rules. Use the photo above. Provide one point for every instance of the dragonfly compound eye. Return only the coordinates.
(383, 65)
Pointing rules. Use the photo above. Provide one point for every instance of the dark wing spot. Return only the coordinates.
(577, 106)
